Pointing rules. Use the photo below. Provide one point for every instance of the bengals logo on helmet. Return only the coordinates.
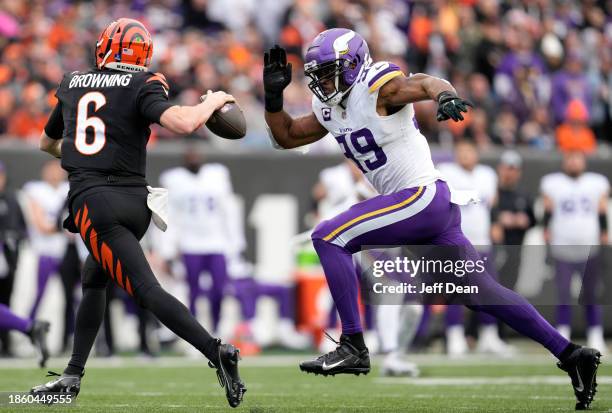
(124, 45)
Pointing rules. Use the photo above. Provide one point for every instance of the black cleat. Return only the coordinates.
(64, 383)
(345, 359)
(227, 373)
(38, 335)
(582, 366)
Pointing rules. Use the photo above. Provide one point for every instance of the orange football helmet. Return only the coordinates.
(124, 45)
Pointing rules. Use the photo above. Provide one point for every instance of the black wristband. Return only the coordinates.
(273, 102)
(603, 222)
(446, 94)
(546, 219)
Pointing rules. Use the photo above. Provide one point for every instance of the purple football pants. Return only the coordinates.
(590, 279)
(247, 291)
(213, 264)
(47, 266)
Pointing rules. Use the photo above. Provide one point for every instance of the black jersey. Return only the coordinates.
(104, 118)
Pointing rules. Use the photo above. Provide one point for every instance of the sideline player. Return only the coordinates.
(45, 201)
(100, 128)
(368, 109)
(200, 226)
(576, 223)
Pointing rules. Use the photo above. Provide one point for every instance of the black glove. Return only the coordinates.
(276, 77)
(450, 106)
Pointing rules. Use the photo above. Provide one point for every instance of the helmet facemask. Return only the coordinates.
(332, 71)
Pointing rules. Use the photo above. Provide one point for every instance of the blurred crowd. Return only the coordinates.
(538, 71)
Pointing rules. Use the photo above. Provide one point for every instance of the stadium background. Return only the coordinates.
(538, 71)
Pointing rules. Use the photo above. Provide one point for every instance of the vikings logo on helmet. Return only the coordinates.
(335, 59)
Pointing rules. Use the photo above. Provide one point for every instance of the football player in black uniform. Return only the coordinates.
(99, 128)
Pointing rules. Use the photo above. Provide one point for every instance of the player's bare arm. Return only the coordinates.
(286, 131)
(291, 132)
(403, 90)
(50, 145)
(187, 119)
(51, 137)
(602, 209)
(548, 210)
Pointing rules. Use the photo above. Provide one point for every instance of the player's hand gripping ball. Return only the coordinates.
(227, 122)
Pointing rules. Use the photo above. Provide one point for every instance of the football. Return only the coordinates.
(228, 122)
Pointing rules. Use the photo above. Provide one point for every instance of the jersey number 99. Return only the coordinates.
(84, 122)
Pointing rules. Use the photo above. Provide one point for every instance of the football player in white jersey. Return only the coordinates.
(467, 174)
(368, 109)
(199, 226)
(576, 204)
(45, 201)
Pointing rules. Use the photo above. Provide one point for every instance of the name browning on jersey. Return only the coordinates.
(100, 80)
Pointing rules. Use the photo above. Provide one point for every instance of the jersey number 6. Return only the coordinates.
(83, 122)
(364, 143)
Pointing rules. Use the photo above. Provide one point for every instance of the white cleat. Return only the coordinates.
(565, 331)
(489, 342)
(292, 339)
(595, 339)
(326, 346)
(456, 344)
(395, 365)
(295, 341)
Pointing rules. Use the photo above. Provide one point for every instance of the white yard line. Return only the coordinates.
(483, 381)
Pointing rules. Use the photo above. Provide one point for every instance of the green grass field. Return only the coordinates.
(275, 384)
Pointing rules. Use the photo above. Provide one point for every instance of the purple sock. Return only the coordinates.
(282, 295)
(486, 319)
(563, 279)
(424, 323)
(340, 274)
(332, 319)
(593, 315)
(216, 266)
(245, 292)
(193, 267)
(454, 315)
(11, 321)
(564, 315)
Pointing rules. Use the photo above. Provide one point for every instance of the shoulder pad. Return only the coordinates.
(380, 73)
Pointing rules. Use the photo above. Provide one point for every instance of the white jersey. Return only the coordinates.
(341, 190)
(197, 208)
(389, 150)
(475, 217)
(50, 200)
(575, 211)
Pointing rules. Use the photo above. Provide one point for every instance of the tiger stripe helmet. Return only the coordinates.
(125, 45)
